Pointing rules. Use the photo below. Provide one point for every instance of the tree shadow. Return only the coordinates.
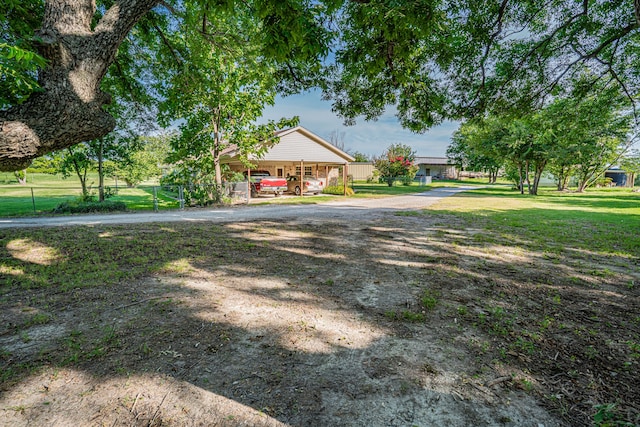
(293, 320)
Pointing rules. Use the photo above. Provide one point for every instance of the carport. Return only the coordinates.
(299, 152)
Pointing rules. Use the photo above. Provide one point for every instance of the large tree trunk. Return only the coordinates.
(68, 110)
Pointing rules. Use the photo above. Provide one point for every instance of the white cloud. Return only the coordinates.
(366, 137)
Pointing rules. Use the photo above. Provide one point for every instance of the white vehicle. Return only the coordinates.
(311, 185)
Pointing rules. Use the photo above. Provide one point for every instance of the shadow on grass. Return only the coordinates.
(259, 313)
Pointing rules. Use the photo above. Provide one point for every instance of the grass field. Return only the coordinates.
(542, 293)
(598, 220)
(44, 192)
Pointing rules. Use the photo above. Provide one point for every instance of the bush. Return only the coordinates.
(407, 179)
(338, 190)
(90, 207)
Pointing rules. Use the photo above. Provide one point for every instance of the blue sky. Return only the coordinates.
(370, 138)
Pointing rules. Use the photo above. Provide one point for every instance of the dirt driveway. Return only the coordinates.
(290, 317)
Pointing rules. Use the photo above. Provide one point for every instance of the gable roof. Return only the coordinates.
(299, 144)
(297, 139)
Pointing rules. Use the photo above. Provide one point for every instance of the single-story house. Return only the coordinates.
(299, 151)
(436, 167)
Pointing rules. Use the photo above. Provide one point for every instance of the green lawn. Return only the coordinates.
(43, 192)
(603, 220)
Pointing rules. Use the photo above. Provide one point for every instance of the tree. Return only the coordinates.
(360, 157)
(220, 93)
(434, 59)
(21, 176)
(396, 162)
(336, 138)
(80, 41)
(69, 108)
(472, 149)
(590, 131)
(429, 59)
(77, 160)
(581, 133)
(146, 162)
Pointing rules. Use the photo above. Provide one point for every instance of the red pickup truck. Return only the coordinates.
(263, 183)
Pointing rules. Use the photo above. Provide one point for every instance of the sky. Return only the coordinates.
(370, 138)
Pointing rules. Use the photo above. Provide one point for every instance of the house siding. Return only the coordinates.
(361, 171)
(295, 147)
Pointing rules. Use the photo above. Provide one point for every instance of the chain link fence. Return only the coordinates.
(18, 200)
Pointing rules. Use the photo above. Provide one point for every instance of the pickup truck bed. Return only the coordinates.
(263, 183)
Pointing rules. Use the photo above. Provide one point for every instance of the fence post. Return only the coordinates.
(33, 200)
(181, 196)
(155, 199)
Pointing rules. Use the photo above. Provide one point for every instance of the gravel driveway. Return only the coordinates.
(333, 209)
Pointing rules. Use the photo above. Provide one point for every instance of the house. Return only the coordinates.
(299, 150)
(436, 167)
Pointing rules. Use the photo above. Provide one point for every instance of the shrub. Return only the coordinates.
(338, 190)
(90, 207)
(407, 179)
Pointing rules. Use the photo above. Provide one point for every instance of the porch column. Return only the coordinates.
(344, 179)
(248, 185)
(301, 178)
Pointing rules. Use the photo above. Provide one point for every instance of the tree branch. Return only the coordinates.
(69, 108)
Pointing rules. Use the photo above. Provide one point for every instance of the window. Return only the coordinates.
(307, 171)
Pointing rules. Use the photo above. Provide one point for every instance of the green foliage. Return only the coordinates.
(396, 162)
(144, 163)
(607, 416)
(630, 163)
(196, 193)
(589, 132)
(17, 68)
(44, 164)
(79, 161)
(81, 206)
(432, 59)
(360, 157)
(429, 299)
(220, 93)
(338, 190)
(472, 149)
(18, 61)
(578, 134)
(385, 59)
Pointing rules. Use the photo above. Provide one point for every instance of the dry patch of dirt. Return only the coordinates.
(392, 321)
